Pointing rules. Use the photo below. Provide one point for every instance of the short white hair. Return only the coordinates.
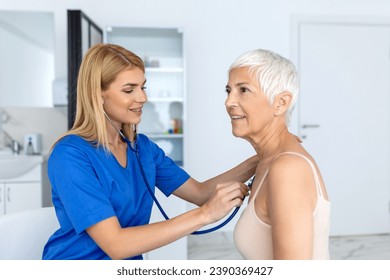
(275, 74)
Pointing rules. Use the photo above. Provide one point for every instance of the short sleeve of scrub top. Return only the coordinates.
(89, 185)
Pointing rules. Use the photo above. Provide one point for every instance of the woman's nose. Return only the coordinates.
(230, 100)
(142, 97)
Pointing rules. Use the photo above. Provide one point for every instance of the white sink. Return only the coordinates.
(12, 166)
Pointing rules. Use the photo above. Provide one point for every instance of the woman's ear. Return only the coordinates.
(282, 103)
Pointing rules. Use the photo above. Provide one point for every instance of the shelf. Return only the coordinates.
(165, 99)
(163, 70)
(165, 135)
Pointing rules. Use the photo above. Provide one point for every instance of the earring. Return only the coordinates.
(102, 101)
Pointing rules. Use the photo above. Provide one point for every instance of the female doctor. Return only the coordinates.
(101, 199)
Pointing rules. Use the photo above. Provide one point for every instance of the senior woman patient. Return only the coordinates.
(288, 213)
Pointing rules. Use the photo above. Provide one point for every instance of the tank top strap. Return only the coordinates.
(261, 183)
(316, 178)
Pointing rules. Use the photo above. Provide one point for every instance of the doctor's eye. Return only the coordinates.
(227, 90)
(143, 88)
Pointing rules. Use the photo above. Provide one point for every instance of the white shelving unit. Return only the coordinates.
(163, 118)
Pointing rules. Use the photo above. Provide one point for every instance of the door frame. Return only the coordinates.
(76, 50)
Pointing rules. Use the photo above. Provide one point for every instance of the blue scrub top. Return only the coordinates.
(89, 185)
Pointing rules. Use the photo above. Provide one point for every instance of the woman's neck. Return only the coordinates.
(272, 143)
(114, 138)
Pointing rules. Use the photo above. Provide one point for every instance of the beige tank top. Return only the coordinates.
(253, 237)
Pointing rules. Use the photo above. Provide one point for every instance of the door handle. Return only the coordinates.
(310, 126)
(304, 126)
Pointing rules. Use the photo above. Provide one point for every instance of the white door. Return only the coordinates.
(343, 116)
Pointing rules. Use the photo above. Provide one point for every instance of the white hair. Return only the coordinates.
(275, 74)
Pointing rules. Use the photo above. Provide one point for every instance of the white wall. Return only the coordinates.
(215, 33)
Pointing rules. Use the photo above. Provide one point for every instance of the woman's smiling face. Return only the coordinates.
(246, 104)
(125, 97)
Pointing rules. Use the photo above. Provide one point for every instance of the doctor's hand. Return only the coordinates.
(226, 196)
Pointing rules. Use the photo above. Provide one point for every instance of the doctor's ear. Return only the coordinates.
(282, 103)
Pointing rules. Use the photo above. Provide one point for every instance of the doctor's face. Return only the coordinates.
(125, 97)
(247, 105)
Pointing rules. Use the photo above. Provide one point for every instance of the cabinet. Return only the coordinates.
(163, 118)
(21, 194)
(164, 115)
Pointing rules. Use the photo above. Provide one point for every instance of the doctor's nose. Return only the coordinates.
(142, 97)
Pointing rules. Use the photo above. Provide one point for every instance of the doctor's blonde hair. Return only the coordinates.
(100, 66)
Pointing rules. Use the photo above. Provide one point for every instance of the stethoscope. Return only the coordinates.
(134, 148)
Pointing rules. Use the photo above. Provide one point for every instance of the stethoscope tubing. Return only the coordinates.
(134, 148)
